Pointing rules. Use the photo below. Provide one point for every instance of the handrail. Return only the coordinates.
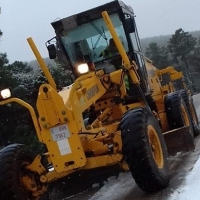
(31, 110)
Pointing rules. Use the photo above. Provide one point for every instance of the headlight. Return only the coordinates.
(83, 68)
(5, 93)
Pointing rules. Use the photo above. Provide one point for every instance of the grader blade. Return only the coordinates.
(179, 140)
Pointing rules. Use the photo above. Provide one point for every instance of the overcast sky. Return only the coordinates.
(20, 19)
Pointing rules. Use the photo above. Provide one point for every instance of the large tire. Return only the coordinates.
(177, 112)
(13, 160)
(192, 111)
(144, 149)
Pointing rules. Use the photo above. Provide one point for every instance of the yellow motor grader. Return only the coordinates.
(116, 111)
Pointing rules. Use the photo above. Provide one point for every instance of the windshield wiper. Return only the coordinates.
(102, 34)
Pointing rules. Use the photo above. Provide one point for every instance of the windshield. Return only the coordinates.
(86, 43)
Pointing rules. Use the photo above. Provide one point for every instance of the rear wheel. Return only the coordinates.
(192, 111)
(144, 149)
(16, 182)
(177, 112)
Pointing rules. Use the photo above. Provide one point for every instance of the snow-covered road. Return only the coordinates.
(121, 188)
(190, 189)
(184, 183)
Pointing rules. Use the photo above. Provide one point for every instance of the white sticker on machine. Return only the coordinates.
(60, 132)
(64, 147)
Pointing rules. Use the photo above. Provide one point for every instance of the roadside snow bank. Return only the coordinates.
(191, 188)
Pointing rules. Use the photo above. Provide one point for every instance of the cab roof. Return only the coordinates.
(90, 15)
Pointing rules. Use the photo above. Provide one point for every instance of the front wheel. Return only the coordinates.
(144, 149)
(16, 182)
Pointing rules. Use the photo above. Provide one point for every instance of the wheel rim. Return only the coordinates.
(156, 148)
(27, 181)
(185, 116)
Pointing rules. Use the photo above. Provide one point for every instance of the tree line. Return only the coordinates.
(183, 52)
(16, 126)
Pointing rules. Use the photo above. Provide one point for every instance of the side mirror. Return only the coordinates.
(52, 51)
(130, 25)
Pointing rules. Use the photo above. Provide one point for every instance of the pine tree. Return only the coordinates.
(159, 55)
(181, 45)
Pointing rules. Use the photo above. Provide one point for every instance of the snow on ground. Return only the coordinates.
(191, 187)
(115, 188)
(189, 190)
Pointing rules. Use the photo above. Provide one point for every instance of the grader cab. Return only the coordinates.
(115, 112)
